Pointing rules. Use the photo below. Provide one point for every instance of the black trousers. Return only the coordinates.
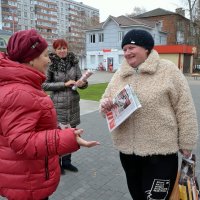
(65, 160)
(150, 177)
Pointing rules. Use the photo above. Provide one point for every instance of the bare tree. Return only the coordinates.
(197, 30)
(192, 6)
(194, 13)
(137, 11)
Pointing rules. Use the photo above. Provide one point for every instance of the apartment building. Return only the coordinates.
(52, 18)
(73, 18)
(25, 14)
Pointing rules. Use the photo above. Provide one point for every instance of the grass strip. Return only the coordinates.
(93, 92)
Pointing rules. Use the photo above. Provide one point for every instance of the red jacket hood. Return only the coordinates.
(14, 72)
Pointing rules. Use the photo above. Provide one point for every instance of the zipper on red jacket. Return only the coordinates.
(46, 168)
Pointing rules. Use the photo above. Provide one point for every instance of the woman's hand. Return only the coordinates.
(80, 83)
(186, 153)
(70, 83)
(106, 105)
(83, 142)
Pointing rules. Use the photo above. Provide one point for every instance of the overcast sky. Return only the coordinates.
(122, 7)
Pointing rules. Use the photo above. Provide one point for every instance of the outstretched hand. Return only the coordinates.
(83, 142)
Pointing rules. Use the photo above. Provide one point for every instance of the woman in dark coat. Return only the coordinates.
(62, 75)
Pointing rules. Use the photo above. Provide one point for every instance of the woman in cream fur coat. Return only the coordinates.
(149, 140)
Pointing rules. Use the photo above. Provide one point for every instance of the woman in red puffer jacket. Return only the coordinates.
(30, 142)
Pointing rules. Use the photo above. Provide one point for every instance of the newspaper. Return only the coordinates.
(125, 103)
(84, 77)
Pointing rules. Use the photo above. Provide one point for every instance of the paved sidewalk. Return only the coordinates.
(100, 77)
(97, 77)
(100, 175)
(87, 106)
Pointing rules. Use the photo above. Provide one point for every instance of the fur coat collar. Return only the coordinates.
(149, 66)
(62, 64)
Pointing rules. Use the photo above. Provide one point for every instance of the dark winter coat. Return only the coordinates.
(29, 139)
(65, 99)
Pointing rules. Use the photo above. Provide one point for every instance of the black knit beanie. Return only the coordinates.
(140, 38)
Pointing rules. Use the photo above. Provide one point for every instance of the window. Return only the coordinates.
(120, 36)
(180, 37)
(7, 25)
(92, 59)
(180, 25)
(32, 16)
(161, 40)
(25, 7)
(2, 43)
(100, 59)
(101, 37)
(92, 38)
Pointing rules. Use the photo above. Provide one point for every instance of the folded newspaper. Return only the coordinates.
(125, 103)
(84, 77)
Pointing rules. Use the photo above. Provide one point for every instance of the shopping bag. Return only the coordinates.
(175, 192)
(188, 186)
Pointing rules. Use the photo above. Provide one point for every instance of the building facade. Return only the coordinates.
(18, 15)
(73, 18)
(103, 42)
(52, 18)
(178, 31)
(174, 23)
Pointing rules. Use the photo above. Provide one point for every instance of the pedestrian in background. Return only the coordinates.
(62, 75)
(30, 142)
(149, 140)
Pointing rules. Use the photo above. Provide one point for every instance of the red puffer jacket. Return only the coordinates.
(29, 139)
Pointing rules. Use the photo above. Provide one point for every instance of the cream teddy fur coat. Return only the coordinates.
(167, 120)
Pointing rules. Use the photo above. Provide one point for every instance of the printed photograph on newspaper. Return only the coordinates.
(125, 103)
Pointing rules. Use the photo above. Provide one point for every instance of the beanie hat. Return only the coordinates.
(140, 38)
(24, 46)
